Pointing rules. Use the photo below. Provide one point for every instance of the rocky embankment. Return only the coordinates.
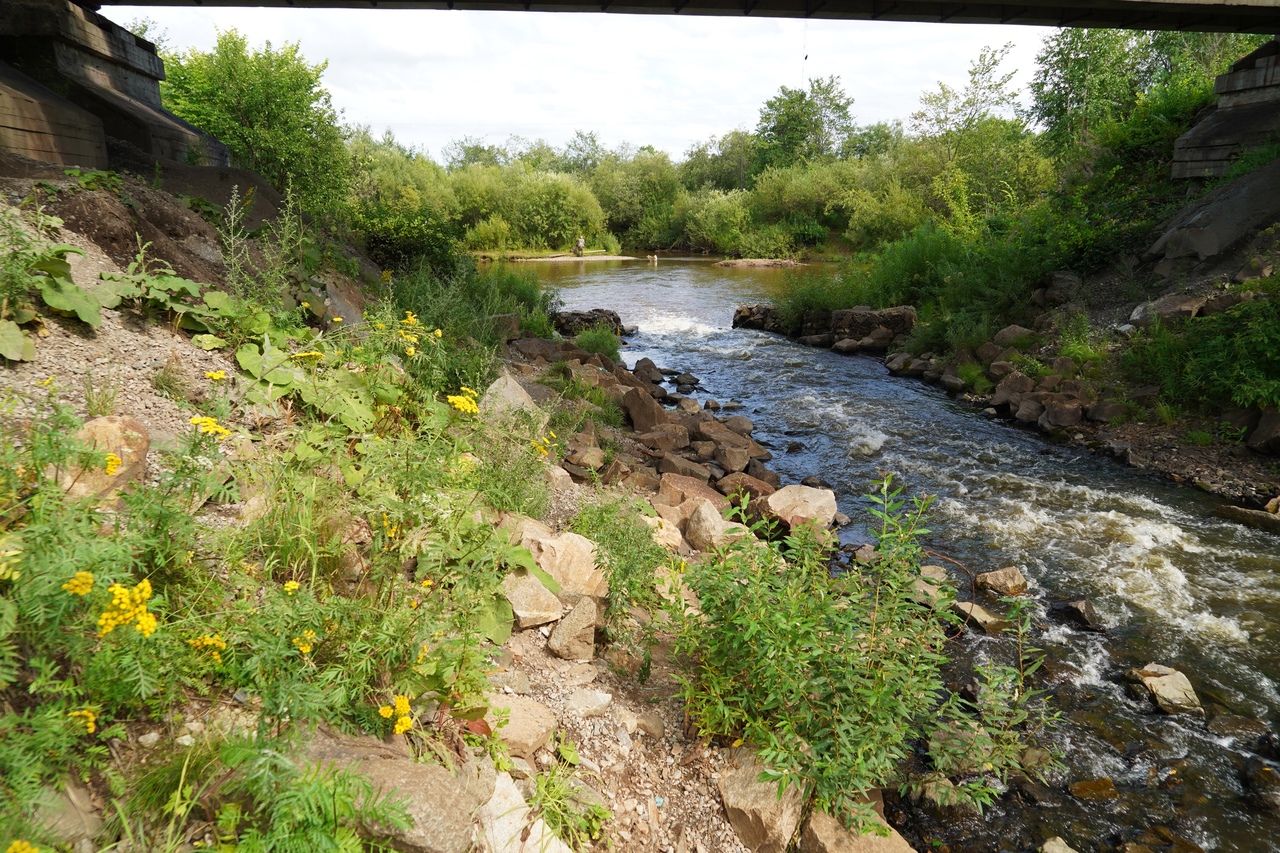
(1020, 376)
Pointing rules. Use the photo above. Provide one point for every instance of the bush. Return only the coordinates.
(599, 339)
(833, 676)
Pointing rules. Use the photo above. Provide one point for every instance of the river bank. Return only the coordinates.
(1168, 581)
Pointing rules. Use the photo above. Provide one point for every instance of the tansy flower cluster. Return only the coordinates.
(410, 319)
(215, 375)
(21, 846)
(304, 642)
(88, 716)
(113, 464)
(404, 722)
(392, 530)
(210, 426)
(213, 642)
(464, 402)
(128, 606)
(290, 587)
(308, 354)
(80, 584)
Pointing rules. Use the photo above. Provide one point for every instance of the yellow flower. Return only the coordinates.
(410, 351)
(386, 276)
(210, 426)
(552, 434)
(413, 339)
(88, 716)
(21, 846)
(81, 584)
(403, 725)
(215, 375)
(213, 642)
(128, 606)
(337, 319)
(386, 712)
(413, 605)
(113, 464)
(47, 382)
(464, 404)
(304, 642)
(410, 319)
(468, 391)
(402, 705)
(309, 354)
(380, 325)
(290, 587)
(438, 333)
(306, 304)
(426, 583)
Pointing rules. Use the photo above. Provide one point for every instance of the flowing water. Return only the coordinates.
(1173, 584)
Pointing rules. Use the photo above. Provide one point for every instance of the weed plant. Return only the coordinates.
(833, 677)
(600, 340)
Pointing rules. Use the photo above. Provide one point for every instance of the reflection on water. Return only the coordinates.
(1174, 584)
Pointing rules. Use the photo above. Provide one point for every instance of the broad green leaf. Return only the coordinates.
(114, 289)
(568, 753)
(61, 294)
(15, 344)
(495, 619)
(216, 300)
(208, 342)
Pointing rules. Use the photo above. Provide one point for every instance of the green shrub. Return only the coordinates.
(601, 340)
(974, 376)
(833, 676)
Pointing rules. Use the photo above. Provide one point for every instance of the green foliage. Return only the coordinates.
(833, 676)
(599, 339)
(975, 377)
(804, 126)
(1216, 362)
(560, 800)
(270, 109)
(28, 264)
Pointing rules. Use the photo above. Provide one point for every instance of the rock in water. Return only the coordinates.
(1006, 581)
(1170, 689)
(793, 506)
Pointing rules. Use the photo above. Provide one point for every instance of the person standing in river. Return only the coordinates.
(580, 247)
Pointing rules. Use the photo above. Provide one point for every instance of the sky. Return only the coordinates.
(661, 80)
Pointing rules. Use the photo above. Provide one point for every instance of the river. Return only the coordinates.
(1173, 584)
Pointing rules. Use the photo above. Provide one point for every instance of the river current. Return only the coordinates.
(1173, 584)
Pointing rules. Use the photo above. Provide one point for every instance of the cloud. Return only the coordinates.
(661, 80)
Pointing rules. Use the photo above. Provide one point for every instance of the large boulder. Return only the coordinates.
(1170, 689)
(763, 821)
(570, 323)
(124, 437)
(510, 828)
(1222, 218)
(862, 323)
(665, 438)
(794, 506)
(675, 490)
(706, 529)
(1013, 336)
(506, 398)
(532, 603)
(645, 412)
(529, 727)
(439, 803)
(1265, 438)
(567, 557)
(762, 317)
(574, 637)
(825, 834)
(1175, 306)
(671, 463)
(743, 483)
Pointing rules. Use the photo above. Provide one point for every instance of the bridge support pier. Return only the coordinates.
(1247, 116)
(70, 80)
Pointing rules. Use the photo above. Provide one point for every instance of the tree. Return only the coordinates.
(947, 112)
(472, 151)
(724, 163)
(269, 108)
(1083, 78)
(811, 126)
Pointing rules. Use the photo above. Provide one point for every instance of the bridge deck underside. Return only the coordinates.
(1260, 16)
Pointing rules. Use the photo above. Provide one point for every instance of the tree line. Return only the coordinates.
(808, 179)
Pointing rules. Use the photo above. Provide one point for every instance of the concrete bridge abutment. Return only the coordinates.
(70, 80)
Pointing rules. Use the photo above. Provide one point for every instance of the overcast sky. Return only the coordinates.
(661, 80)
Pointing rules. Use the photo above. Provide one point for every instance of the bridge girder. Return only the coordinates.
(1248, 16)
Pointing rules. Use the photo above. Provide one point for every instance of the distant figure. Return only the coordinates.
(581, 246)
(653, 259)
